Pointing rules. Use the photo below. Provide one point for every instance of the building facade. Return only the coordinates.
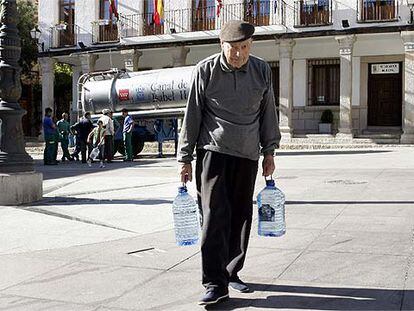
(353, 57)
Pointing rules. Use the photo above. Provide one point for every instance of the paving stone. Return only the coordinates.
(349, 269)
(83, 283)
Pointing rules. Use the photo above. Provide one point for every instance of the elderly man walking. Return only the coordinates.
(230, 120)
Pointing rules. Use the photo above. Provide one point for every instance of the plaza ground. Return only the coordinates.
(102, 239)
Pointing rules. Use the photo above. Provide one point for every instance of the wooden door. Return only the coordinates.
(385, 98)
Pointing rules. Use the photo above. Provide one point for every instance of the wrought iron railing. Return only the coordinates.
(313, 13)
(104, 30)
(260, 13)
(377, 10)
(63, 35)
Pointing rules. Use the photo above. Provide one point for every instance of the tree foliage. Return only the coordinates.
(27, 12)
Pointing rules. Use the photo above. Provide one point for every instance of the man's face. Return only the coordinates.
(237, 53)
(65, 116)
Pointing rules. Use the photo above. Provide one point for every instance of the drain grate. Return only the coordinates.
(150, 251)
(346, 182)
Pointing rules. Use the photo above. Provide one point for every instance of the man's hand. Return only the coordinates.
(186, 172)
(268, 165)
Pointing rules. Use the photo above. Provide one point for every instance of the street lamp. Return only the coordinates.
(35, 33)
(410, 4)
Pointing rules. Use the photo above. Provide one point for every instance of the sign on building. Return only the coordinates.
(385, 68)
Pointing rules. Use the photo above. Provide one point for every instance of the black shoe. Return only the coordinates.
(214, 295)
(238, 285)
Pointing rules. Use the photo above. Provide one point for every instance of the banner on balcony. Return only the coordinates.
(113, 9)
(219, 7)
(158, 12)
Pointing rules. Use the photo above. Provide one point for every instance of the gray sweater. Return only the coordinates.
(230, 111)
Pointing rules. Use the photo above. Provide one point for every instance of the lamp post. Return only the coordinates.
(35, 33)
(410, 4)
(18, 181)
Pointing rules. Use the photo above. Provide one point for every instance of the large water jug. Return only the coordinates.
(186, 220)
(271, 207)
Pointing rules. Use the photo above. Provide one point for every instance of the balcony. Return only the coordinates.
(261, 13)
(313, 13)
(63, 35)
(377, 11)
(104, 31)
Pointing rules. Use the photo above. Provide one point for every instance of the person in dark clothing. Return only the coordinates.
(230, 119)
(82, 129)
(63, 128)
(51, 138)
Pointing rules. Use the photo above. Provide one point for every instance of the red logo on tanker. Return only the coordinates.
(123, 95)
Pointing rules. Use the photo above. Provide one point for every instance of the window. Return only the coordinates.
(323, 82)
(378, 10)
(313, 12)
(257, 12)
(203, 16)
(150, 26)
(108, 12)
(67, 17)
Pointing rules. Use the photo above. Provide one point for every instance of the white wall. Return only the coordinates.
(48, 16)
(299, 82)
(86, 12)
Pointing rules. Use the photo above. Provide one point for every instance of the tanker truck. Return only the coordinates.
(155, 99)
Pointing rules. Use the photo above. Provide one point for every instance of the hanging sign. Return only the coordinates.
(385, 68)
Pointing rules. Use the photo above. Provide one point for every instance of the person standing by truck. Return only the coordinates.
(51, 138)
(108, 124)
(63, 128)
(127, 135)
(82, 129)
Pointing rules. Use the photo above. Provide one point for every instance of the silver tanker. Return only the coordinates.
(154, 98)
(160, 92)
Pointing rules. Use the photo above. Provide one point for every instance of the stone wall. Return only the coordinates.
(305, 120)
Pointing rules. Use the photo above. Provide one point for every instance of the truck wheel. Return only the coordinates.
(119, 146)
(137, 146)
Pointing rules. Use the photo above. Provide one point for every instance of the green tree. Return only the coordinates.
(27, 12)
(63, 87)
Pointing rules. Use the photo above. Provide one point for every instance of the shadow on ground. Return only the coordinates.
(327, 152)
(67, 201)
(71, 169)
(321, 298)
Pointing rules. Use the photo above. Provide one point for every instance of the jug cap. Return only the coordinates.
(182, 189)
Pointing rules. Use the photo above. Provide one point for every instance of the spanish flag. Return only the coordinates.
(158, 12)
(113, 8)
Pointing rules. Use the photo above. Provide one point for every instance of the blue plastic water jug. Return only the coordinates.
(271, 208)
(186, 219)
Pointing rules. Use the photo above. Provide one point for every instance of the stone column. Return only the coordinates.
(131, 59)
(48, 83)
(407, 136)
(88, 62)
(286, 87)
(77, 71)
(346, 44)
(179, 56)
(19, 183)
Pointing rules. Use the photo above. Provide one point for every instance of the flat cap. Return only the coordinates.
(236, 30)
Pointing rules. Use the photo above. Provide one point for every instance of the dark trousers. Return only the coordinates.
(50, 152)
(109, 147)
(128, 145)
(64, 144)
(225, 185)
